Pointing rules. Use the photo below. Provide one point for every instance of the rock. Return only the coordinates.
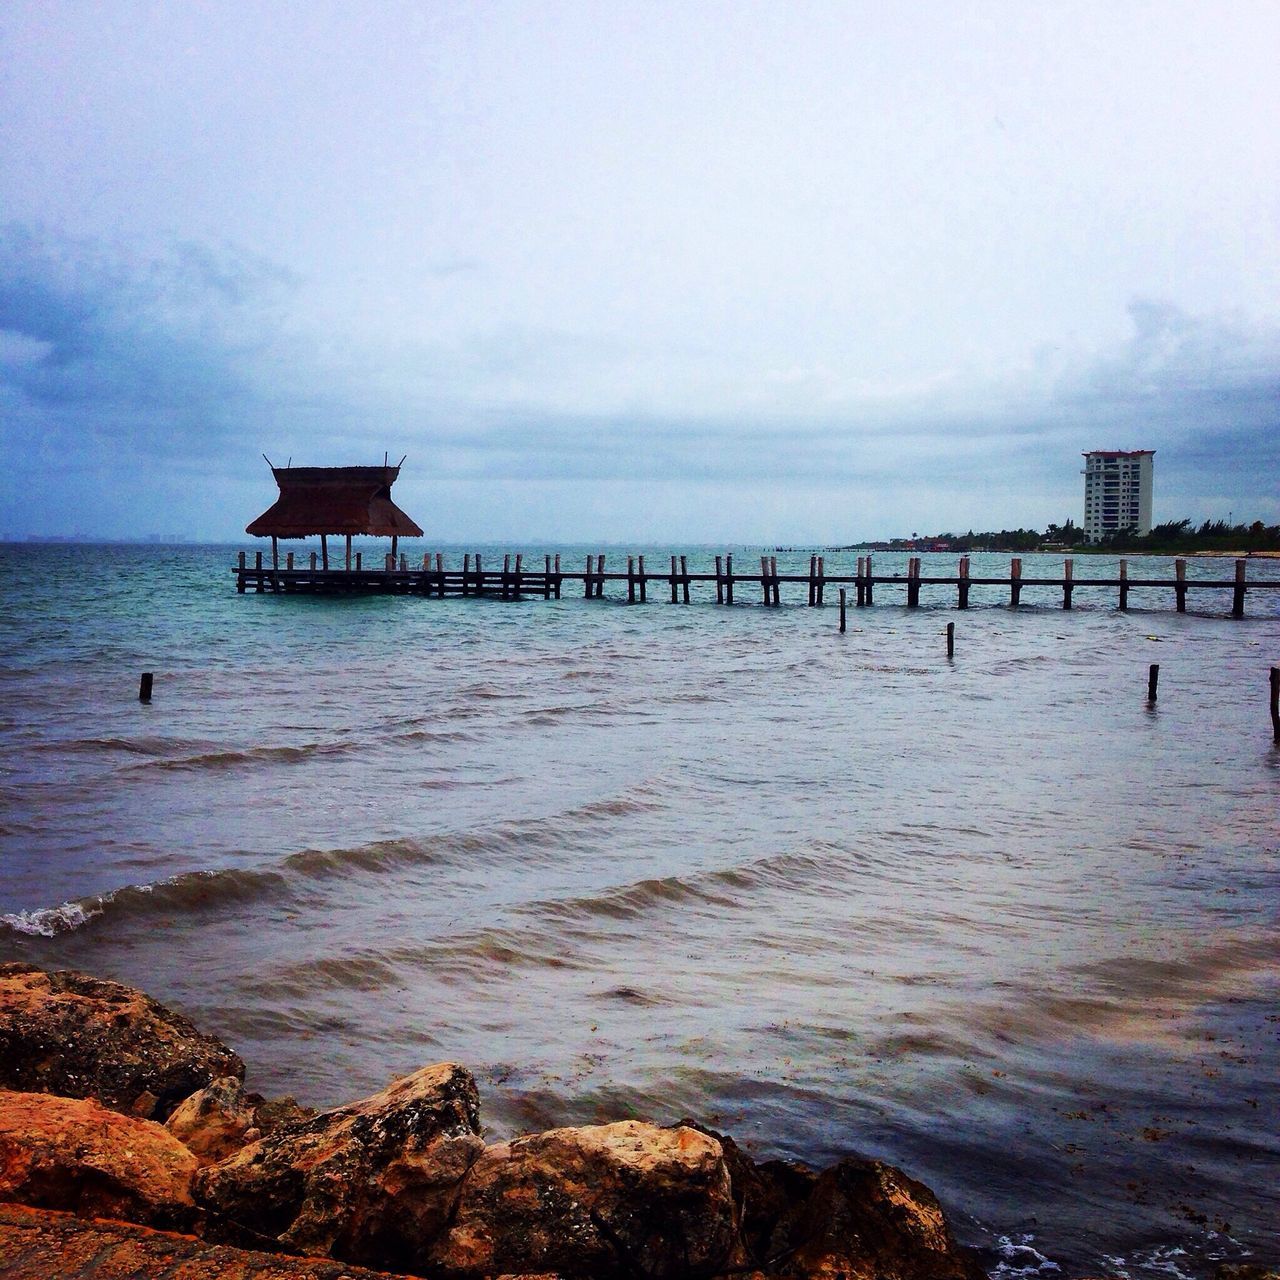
(215, 1122)
(273, 1114)
(37, 1245)
(865, 1220)
(81, 1037)
(1245, 1271)
(368, 1182)
(614, 1200)
(75, 1154)
(763, 1192)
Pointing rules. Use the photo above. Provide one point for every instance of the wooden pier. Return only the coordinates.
(516, 580)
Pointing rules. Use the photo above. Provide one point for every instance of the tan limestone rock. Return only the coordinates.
(77, 1155)
(613, 1200)
(373, 1181)
(214, 1122)
(865, 1220)
(80, 1037)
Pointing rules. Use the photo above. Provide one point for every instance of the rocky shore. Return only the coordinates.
(129, 1146)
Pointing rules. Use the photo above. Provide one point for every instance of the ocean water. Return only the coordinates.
(997, 920)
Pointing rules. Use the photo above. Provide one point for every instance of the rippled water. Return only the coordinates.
(996, 919)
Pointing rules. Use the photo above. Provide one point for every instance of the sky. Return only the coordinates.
(608, 271)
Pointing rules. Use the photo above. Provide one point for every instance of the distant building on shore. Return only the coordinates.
(1117, 492)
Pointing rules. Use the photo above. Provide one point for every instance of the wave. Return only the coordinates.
(191, 891)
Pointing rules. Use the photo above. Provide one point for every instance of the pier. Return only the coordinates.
(514, 579)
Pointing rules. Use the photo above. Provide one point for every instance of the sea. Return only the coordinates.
(998, 919)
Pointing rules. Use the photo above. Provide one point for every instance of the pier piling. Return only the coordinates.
(1275, 703)
(842, 611)
(1237, 595)
(144, 687)
(1153, 681)
(951, 639)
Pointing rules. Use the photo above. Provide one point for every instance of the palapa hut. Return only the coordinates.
(340, 500)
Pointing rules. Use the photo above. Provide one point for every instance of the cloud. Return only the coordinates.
(157, 351)
(197, 355)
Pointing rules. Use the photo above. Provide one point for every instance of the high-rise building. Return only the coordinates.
(1117, 492)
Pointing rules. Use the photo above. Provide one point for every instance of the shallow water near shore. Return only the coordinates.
(997, 920)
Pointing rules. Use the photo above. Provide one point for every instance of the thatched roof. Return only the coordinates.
(355, 500)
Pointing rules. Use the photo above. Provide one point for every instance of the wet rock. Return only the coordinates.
(75, 1154)
(369, 1182)
(864, 1220)
(81, 1037)
(271, 1115)
(614, 1200)
(214, 1122)
(38, 1245)
(1245, 1271)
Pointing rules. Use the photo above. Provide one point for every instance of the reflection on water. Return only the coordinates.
(995, 919)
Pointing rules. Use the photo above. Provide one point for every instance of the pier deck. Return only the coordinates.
(514, 580)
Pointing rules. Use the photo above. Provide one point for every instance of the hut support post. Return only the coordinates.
(348, 553)
(324, 551)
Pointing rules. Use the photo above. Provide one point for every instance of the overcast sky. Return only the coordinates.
(654, 271)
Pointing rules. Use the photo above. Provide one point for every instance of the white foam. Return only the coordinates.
(1018, 1258)
(49, 921)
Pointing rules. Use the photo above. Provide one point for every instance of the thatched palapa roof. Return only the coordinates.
(351, 500)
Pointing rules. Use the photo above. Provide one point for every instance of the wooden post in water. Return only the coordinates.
(348, 553)
(257, 564)
(1180, 586)
(144, 687)
(519, 572)
(1068, 572)
(395, 542)
(466, 572)
(404, 563)
(813, 581)
(586, 581)
(240, 575)
(1015, 580)
(275, 554)
(479, 580)
(728, 579)
(506, 575)
(764, 578)
(860, 590)
(313, 562)
(822, 579)
(675, 581)
(1153, 681)
(288, 562)
(842, 611)
(324, 551)
(359, 561)
(870, 592)
(951, 639)
(913, 582)
(1124, 586)
(242, 562)
(1275, 702)
(558, 578)
(631, 579)
(773, 573)
(644, 592)
(546, 582)
(684, 578)
(599, 577)
(962, 589)
(719, 582)
(440, 573)
(1237, 594)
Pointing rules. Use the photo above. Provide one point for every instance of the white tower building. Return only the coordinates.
(1117, 492)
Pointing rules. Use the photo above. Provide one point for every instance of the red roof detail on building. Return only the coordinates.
(354, 500)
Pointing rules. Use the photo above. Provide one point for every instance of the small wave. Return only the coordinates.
(232, 759)
(192, 891)
(1020, 1258)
